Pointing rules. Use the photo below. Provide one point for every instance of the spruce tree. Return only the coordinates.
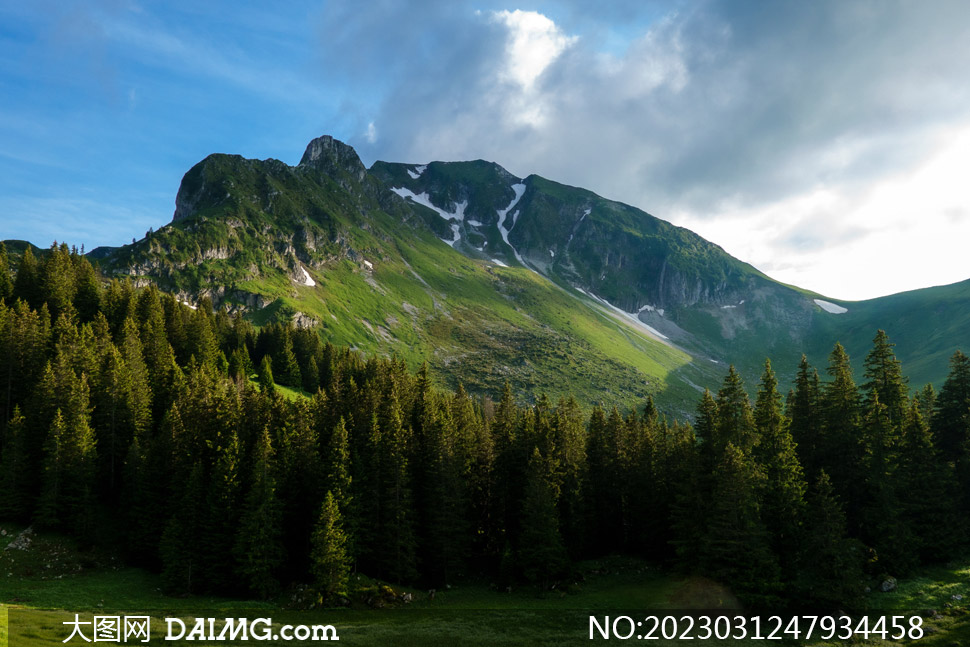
(265, 375)
(885, 381)
(6, 278)
(27, 284)
(830, 563)
(805, 417)
(735, 421)
(223, 498)
(180, 549)
(15, 494)
(257, 547)
(952, 408)
(784, 484)
(926, 487)
(882, 524)
(838, 447)
(735, 549)
(329, 557)
(397, 537)
(541, 555)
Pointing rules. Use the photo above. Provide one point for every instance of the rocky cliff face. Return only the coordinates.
(333, 158)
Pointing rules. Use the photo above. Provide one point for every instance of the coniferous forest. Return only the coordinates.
(131, 418)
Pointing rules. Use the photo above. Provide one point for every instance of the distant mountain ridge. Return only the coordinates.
(490, 277)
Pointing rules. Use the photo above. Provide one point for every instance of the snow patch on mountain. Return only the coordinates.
(576, 226)
(519, 190)
(418, 170)
(499, 263)
(830, 307)
(632, 317)
(425, 201)
(307, 279)
(455, 233)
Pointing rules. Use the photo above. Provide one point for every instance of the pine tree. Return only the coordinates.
(838, 448)
(784, 484)
(300, 478)
(735, 548)
(67, 498)
(15, 495)
(87, 299)
(830, 563)
(926, 487)
(329, 558)
(397, 537)
(885, 381)
(882, 523)
(27, 284)
(952, 407)
(706, 432)
(257, 547)
(607, 461)
(223, 497)
(805, 417)
(572, 460)
(6, 279)
(57, 281)
(181, 553)
(541, 555)
(508, 468)
(287, 368)
(265, 375)
(735, 422)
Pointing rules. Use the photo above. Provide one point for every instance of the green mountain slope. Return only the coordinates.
(327, 244)
(490, 277)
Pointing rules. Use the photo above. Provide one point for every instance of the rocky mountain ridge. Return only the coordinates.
(489, 276)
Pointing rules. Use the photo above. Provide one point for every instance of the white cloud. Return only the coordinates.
(904, 231)
(534, 42)
(371, 134)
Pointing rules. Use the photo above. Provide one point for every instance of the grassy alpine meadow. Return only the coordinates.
(45, 584)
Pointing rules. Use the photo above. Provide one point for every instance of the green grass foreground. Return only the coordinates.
(43, 586)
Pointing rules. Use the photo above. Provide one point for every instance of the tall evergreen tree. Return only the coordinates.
(27, 283)
(541, 555)
(926, 487)
(805, 416)
(15, 492)
(329, 558)
(830, 566)
(838, 448)
(882, 523)
(257, 549)
(734, 548)
(398, 561)
(784, 484)
(735, 421)
(265, 375)
(6, 278)
(885, 381)
(180, 549)
(950, 421)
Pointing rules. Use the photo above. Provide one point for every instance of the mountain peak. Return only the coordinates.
(331, 156)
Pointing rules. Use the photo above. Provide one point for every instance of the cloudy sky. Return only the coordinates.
(826, 143)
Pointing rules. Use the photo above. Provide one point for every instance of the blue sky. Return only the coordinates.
(827, 143)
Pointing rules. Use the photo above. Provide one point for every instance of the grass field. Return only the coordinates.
(43, 586)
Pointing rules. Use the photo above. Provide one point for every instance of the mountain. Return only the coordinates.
(490, 277)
